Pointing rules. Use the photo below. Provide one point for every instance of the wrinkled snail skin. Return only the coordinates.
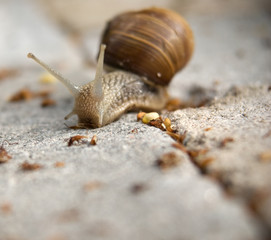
(122, 91)
(128, 48)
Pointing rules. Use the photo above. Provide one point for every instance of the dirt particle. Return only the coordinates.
(138, 188)
(22, 95)
(47, 102)
(177, 137)
(167, 123)
(207, 129)
(135, 130)
(59, 164)
(206, 162)
(180, 146)
(158, 123)
(155, 120)
(26, 94)
(257, 199)
(6, 208)
(226, 140)
(199, 158)
(216, 82)
(265, 156)
(26, 166)
(7, 72)
(93, 140)
(140, 116)
(4, 156)
(92, 185)
(76, 138)
(149, 117)
(197, 153)
(168, 160)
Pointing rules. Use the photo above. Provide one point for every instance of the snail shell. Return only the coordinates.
(154, 43)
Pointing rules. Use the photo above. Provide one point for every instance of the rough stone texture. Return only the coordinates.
(56, 201)
(236, 131)
(115, 190)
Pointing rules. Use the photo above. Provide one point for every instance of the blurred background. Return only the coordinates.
(66, 34)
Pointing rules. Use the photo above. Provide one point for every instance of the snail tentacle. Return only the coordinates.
(97, 82)
(71, 86)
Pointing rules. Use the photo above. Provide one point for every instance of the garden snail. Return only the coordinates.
(150, 46)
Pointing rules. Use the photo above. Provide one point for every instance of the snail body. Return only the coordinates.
(109, 95)
(115, 102)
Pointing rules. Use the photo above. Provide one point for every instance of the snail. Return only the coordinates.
(145, 48)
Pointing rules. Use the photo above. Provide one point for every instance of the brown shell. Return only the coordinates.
(155, 43)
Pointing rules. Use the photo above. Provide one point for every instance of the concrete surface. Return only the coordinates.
(114, 190)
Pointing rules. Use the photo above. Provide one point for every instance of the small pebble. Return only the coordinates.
(150, 116)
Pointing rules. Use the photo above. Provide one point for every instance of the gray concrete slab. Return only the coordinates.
(114, 190)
